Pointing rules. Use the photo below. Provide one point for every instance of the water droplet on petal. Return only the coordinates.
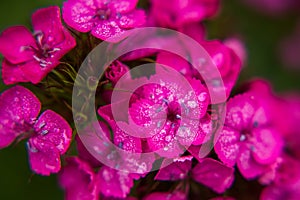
(192, 104)
(242, 138)
(168, 138)
(202, 96)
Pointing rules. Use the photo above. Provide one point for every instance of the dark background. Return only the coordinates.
(262, 34)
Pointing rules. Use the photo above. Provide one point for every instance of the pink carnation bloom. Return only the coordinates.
(103, 18)
(78, 180)
(163, 109)
(30, 57)
(248, 137)
(286, 184)
(49, 134)
(179, 13)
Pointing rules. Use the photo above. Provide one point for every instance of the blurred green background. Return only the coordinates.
(261, 33)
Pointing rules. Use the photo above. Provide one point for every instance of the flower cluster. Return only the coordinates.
(252, 134)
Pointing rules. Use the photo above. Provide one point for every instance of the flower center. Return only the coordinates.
(42, 51)
(103, 14)
(174, 112)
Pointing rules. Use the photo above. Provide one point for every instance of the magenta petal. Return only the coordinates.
(213, 174)
(12, 74)
(34, 72)
(114, 183)
(240, 111)
(176, 62)
(78, 180)
(106, 29)
(287, 172)
(227, 146)
(201, 94)
(13, 43)
(79, 14)
(47, 20)
(124, 6)
(54, 129)
(44, 158)
(177, 170)
(165, 143)
(194, 30)
(267, 145)
(84, 154)
(126, 141)
(190, 14)
(248, 167)
(133, 19)
(205, 131)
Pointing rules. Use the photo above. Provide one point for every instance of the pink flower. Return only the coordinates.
(161, 110)
(103, 18)
(78, 180)
(49, 135)
(286, 184)
(178, 13)
(248, 137)
(30, 57)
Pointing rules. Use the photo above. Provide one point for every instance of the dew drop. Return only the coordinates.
(106, 175)
(192, 104)
(181, 175)
(168, 138)
(158, 124)
(142, 168)
(242, 138)
(202, 96)
(166, 148)
(41, 125)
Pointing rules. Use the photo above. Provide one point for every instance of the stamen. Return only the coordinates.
(31, 148)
